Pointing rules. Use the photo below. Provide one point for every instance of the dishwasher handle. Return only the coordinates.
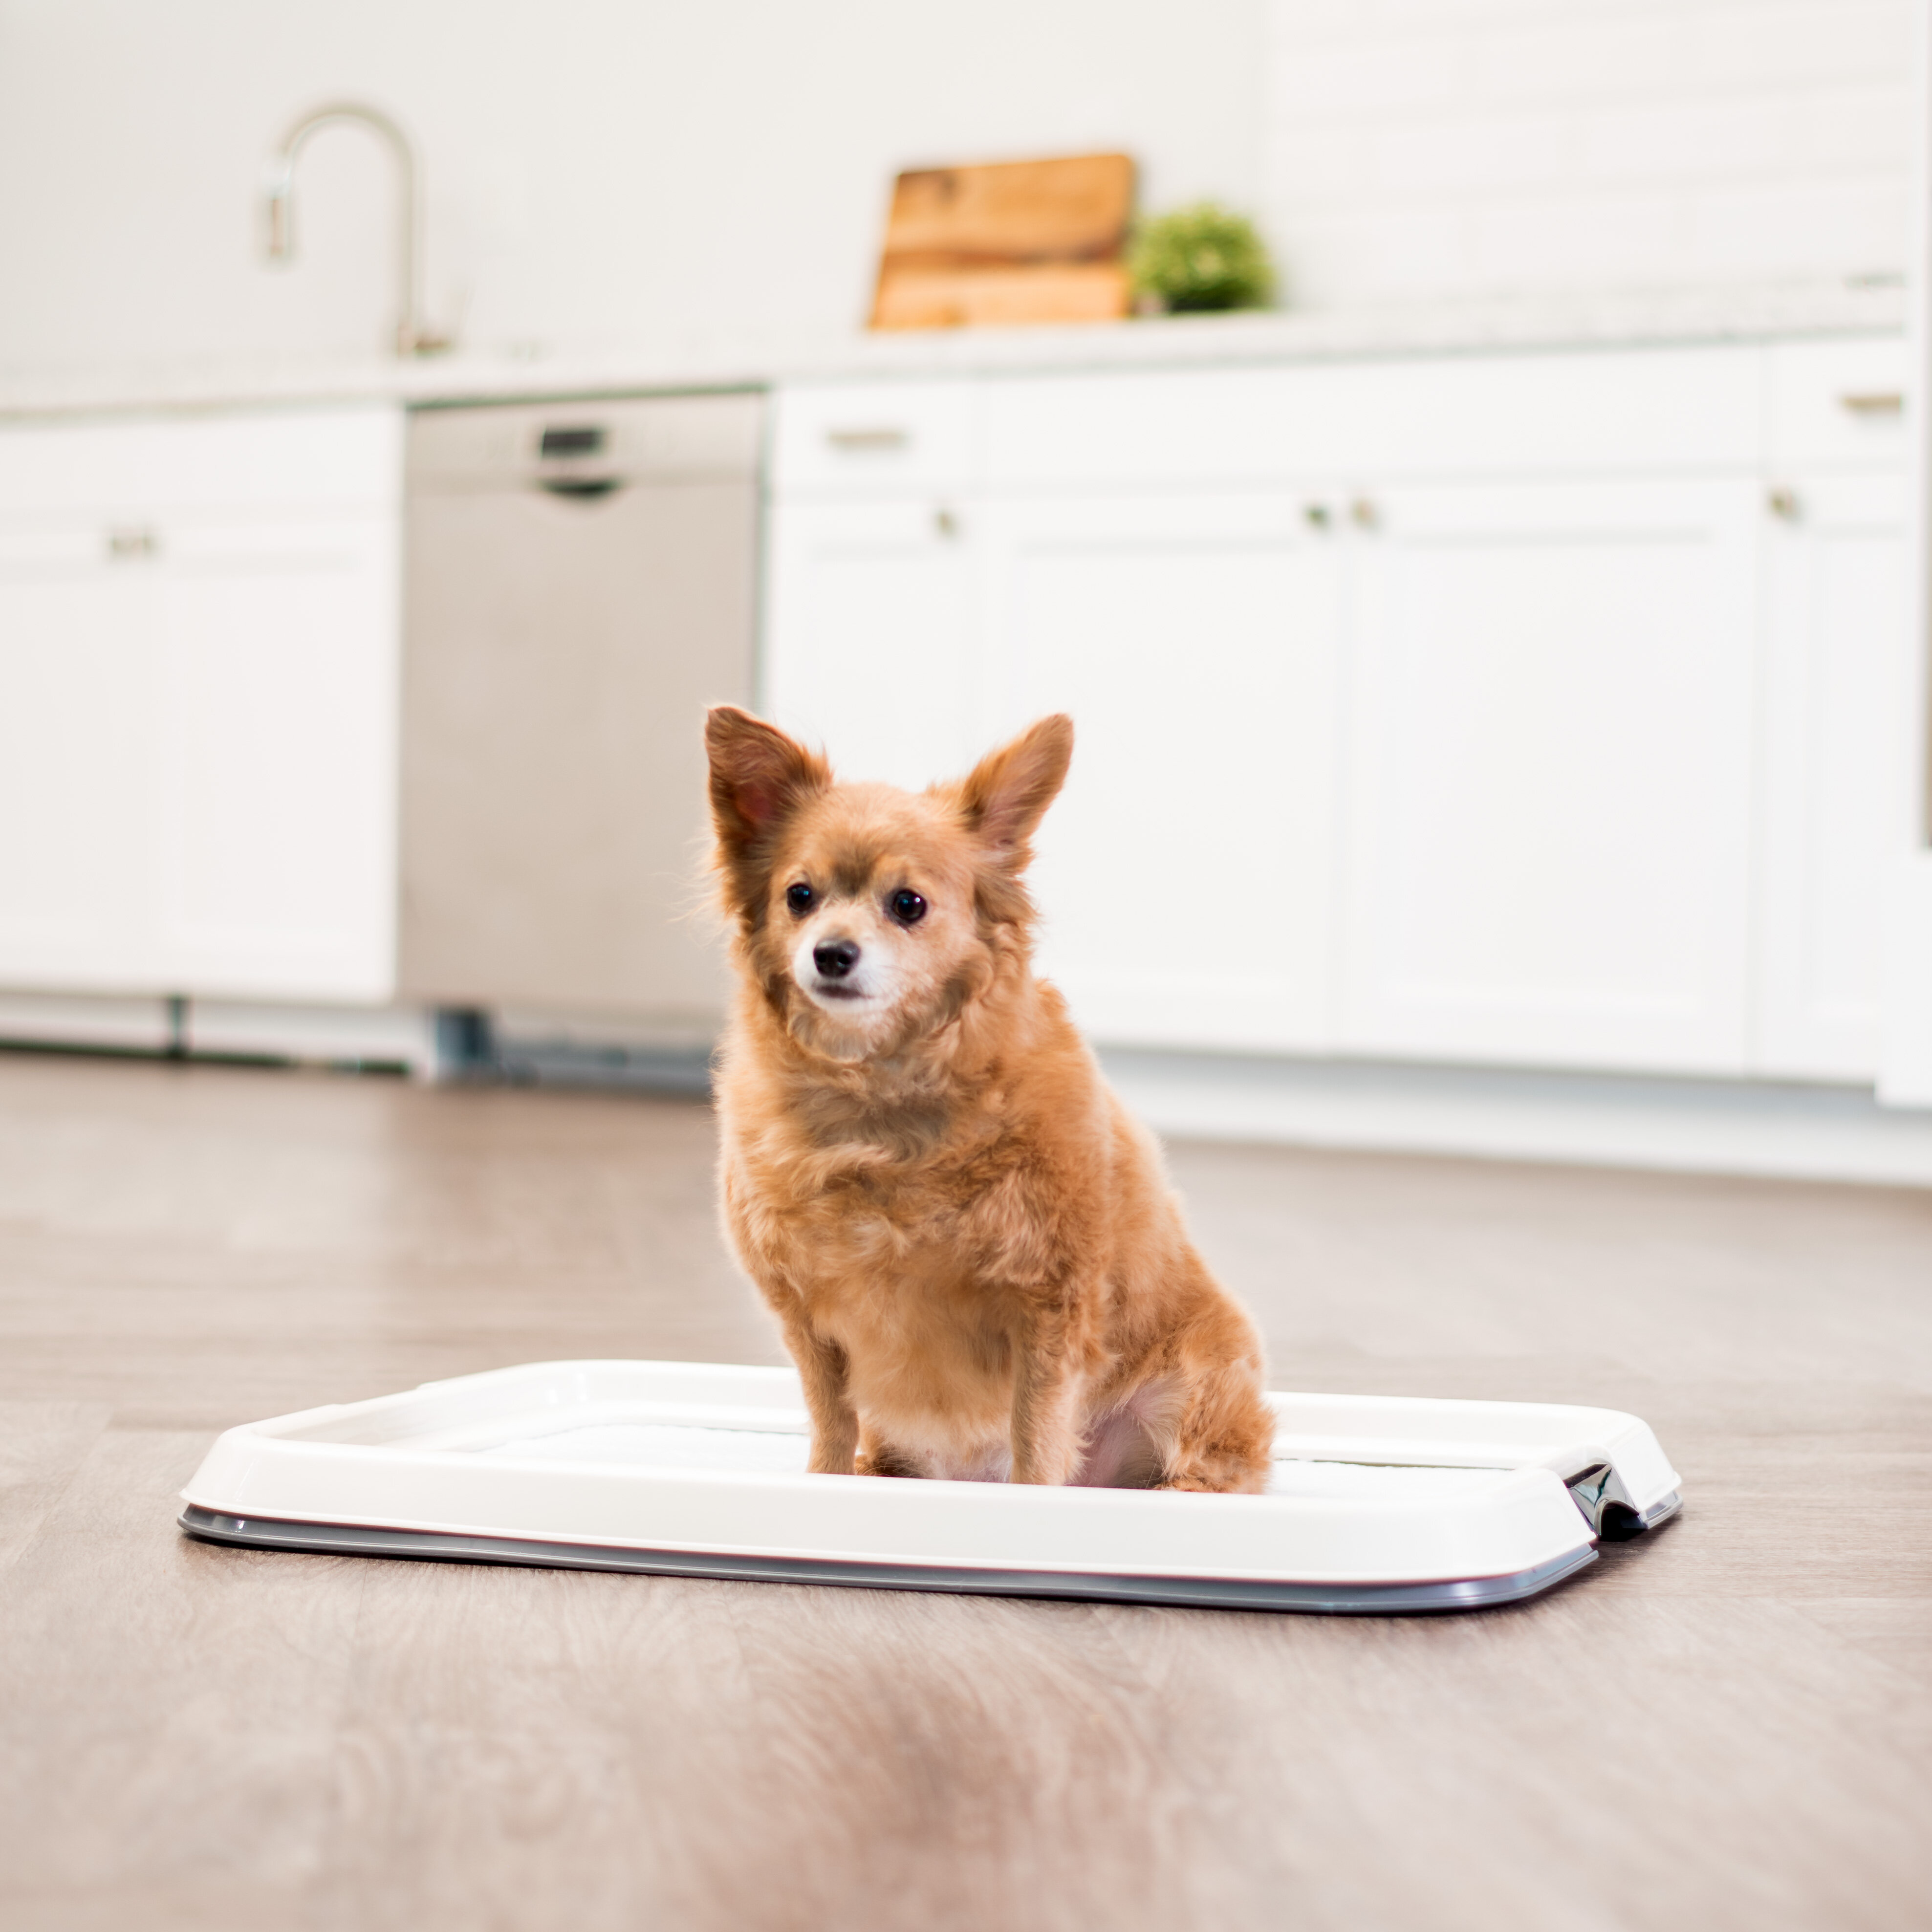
(582, 489)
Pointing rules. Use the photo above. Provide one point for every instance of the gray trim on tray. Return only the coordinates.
(1201, 1592)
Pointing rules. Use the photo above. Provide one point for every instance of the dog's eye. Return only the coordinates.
(908, 908)
(799, 898)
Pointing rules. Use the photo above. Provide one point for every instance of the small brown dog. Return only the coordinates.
(979, 1266)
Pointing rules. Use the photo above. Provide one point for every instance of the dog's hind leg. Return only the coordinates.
(1222, 1438)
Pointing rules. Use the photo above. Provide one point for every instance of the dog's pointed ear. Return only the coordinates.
(1006, 794)
(758, 776)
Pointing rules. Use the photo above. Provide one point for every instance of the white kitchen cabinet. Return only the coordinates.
(1549, 811)
(1185, 875)
(278, 798)
(198, 706)
(1561, 744)
(80, 688)
(872, 644)
(1839, 797)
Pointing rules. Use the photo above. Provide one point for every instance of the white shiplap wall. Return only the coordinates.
(1421, 149)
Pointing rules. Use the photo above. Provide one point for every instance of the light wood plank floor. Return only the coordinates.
(1726, 1724)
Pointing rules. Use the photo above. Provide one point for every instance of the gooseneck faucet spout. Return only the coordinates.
(414, 336)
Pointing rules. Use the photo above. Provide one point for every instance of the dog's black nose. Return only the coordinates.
(836, 958)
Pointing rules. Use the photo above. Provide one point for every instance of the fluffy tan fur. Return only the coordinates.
(978, 1264)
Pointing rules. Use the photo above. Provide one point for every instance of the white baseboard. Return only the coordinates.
(137, 1024)
(1712, 1126)
(386, 1036)
(1905, 1079)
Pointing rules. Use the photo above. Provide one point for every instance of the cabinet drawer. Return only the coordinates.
(283, 460)
(874, 438)
(1437, 419)
(68, 544)
(1839, 405)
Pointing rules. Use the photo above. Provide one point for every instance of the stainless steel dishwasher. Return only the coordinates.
(581, 585)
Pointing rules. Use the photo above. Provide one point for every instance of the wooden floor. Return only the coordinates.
(1728, 1724)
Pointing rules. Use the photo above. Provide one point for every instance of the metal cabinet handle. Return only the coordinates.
(131, 542)
(1874, 402)
(861, 441)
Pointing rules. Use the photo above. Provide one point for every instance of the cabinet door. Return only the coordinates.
(1550, 792)
(276, 800)
(80, 712)
(1838, 791)
(871, 635)
(1185, 874)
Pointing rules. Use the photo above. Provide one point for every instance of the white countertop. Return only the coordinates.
(747, 360)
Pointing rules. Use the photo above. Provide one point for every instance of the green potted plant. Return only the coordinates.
(1200, 257)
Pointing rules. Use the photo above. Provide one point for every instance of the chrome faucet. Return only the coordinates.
(414, 336)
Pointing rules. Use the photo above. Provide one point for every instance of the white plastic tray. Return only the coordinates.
(1377, 1503)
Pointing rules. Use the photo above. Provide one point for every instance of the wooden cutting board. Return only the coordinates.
(1010, 242)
